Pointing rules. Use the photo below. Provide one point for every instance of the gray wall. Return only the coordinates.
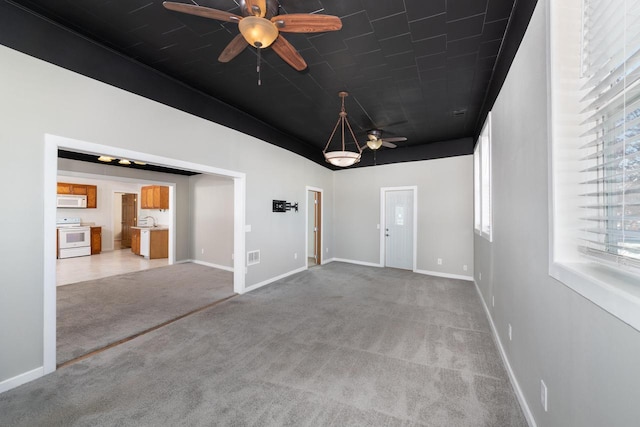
(39, 98)
(445, 212)
(587, 358)
(212, 219)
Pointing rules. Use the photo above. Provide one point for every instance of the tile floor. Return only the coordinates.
(111, 263)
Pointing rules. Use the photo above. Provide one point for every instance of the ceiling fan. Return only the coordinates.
(261, 27)
(375, 140)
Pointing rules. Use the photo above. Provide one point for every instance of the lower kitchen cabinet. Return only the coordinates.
(135, 241)
(96, 240)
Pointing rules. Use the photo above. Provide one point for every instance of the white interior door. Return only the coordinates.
(399, 229)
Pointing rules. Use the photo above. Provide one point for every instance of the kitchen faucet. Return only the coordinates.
(153, 220)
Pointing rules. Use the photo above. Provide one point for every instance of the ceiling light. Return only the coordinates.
(342, 158)
(124, 162)
(258, 32)
(106, 159)
(140, 163)
(374, 143)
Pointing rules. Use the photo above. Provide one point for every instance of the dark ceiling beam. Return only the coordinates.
(518, 23)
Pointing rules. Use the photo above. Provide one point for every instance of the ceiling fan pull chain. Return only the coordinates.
(258, 69)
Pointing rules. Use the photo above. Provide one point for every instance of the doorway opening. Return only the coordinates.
(52, 145)
(314, 227)
(398, 231)
(125, 208)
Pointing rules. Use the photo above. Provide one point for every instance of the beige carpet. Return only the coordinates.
(337, 345)
(96, 313)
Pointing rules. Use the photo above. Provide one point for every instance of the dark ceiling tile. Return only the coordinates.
(391, 26)
(402, 60)
(463, 46)
(370, 59)
(499, 9)
(488, 49)
(494, 30)
(396, 45)
(462, 61)
(433, 74)
(339, 60)
(459, 9)
(430, 46)
(363, 44)
(377, 9)
(294, 6)
(355, 25)
(418, 9)
(428, 27)
(405, 74)
(328, 43)
(431, 61)
(462, 28)
(341, 8)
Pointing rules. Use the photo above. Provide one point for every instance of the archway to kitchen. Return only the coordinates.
(52, 145)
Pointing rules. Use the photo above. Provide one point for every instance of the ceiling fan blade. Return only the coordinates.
(256, 7)
(395, 139)
(288, 53)
(306, 23)
(204, 12)
(388, 144)
(233, 49)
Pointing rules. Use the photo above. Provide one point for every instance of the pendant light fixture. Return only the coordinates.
(342, 158)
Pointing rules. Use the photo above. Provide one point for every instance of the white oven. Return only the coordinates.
(73, 238)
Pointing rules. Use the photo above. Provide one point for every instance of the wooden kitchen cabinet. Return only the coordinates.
(159, 244)
(96, 240)
(155, 197)
(135, 241)
(91, 191)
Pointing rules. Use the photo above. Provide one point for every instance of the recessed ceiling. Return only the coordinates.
(425, 70)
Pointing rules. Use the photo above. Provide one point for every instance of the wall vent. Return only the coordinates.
(253, 257)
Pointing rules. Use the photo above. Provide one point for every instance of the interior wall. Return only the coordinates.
(40, 98)
(445, 212)
(587, 358)
(117, 216)
(212, 219)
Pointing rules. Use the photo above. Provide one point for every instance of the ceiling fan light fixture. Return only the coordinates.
(374, 144)
(258, 32)
(342, 158)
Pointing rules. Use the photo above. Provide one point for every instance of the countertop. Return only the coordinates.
(156, 228)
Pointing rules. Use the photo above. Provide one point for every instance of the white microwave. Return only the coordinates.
(71, 201)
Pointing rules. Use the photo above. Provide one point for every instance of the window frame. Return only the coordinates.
(482, 183)
(611, 287)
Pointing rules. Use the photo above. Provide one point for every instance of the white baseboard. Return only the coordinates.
(273, 279)
(18, 380)
(209, 264)
(183, 261)
(326, 261)
(512, 376)
(447, 275)
(351, 261)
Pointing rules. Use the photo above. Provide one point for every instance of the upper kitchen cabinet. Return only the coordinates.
(155, 197)
(91, 191)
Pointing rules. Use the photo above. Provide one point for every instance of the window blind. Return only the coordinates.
(611, 153)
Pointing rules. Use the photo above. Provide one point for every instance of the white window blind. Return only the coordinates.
(485, 168)
(611, 153)
(476, 189)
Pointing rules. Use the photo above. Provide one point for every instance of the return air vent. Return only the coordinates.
(253, 257)
(459, 113)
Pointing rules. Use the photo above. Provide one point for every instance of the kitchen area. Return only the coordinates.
(90, 222)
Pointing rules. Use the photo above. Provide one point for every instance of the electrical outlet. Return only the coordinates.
(510, 331)
(439, 261)
(232, 256)
(327, 250)
(295, 255)
(481, 275)
(202, 251)
(378, 226)
(493, 301)
(543, 396)
(464, 267)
